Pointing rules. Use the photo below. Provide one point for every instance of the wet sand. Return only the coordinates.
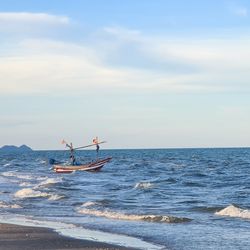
(15, 237)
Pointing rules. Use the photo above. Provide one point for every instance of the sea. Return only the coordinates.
(146, 198)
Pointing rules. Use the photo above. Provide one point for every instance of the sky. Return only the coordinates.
(136, 73)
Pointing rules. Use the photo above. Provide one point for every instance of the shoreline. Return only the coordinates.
(63, 232)
(13, 236)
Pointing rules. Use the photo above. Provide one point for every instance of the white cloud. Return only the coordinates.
(27, 24)
(206, 54)
(237, 10)
(241, 11)
(56, 67)
(44, 67)
(29, 17)
(122, 33)
(48, 66)
(208, 64)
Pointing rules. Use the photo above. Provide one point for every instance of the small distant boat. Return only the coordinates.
(92, 166)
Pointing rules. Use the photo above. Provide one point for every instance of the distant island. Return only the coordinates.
(15, 149)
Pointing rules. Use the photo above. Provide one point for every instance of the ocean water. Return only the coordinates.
(150, 199)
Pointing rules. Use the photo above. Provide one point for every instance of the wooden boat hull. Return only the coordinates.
(92, 166)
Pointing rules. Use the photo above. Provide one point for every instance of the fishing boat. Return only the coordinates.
(95, 165)
(92, 166)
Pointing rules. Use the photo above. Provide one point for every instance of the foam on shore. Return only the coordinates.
(78, 232)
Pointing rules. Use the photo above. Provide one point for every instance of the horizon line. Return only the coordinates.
(160, 148)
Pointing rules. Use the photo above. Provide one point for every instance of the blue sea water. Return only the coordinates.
(169, 198)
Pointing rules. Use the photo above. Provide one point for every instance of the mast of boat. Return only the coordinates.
(90, 145)
(95, 143)
(71, 148)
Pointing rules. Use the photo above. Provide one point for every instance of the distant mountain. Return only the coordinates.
(15, 149)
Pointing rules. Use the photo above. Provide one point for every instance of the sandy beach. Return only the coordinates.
(15, 237)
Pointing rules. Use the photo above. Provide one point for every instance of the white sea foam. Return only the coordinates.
(15, 206)
(133, 217)
(17, 175)
(7, 165)
(5, 205)
(144, 185)
(24, 176)
(49, 181)
(55, 197)
(29, 193)
(25, 184)
(89, 204)
(233, 211)
(42, 161)
(9, 174)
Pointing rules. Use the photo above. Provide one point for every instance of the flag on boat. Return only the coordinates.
(95, 140)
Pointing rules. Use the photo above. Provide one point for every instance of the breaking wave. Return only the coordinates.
(5, 205)
(25, 184)
(143, 185)
(89, 204)
(233, 211)
(17, 175)
(29, 193)
(6, 165)
(9, 174)
(42, 161)
(133, 217)
(55, 197)
(50, 181)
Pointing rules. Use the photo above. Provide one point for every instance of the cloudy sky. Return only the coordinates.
(139, 74)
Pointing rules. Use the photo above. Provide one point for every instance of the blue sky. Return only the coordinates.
(139, 74)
